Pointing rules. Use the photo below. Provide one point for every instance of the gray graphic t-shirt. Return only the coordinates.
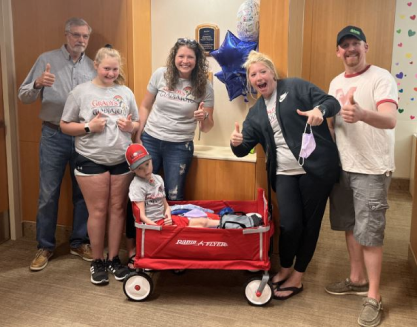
(152, 193)
(84, 103)
(172, 115)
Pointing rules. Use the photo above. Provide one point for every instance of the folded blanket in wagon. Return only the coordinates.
(240, 220)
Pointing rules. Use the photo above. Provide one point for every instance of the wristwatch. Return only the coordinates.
(87, 128)
(322, 110)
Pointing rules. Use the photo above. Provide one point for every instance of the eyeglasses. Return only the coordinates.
(186, 41)
(78, 35)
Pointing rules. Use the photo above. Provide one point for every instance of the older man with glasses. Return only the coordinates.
(52, 77)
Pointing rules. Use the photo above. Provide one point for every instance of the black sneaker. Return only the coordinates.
(98, 272)
(115, 266)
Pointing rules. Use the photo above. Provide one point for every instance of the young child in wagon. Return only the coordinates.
(147, 192)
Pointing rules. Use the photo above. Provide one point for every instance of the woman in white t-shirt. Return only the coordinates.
(103, 115)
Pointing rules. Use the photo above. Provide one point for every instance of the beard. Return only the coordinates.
(79, 48)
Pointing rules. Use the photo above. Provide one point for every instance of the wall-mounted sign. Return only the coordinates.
(208, 36)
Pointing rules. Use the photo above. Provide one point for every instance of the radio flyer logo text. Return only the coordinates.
(201, 243)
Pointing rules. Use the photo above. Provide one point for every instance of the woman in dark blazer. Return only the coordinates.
(289, 121)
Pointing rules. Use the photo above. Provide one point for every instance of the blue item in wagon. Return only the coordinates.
(226, 210)
(179, 211)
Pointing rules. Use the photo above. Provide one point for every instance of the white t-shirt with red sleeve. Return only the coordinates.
(363, 148)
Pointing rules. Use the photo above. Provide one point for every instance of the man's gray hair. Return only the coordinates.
(74, 21)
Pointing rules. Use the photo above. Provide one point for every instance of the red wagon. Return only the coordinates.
(178, 248)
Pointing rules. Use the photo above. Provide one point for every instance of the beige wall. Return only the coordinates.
(174, 19)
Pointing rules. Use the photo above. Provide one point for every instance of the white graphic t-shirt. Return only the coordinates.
(172, 115)
(84, 103)
(362, 148)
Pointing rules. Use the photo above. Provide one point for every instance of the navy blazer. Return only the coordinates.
(293, 94)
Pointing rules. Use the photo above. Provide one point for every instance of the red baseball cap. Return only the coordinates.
(136, 154)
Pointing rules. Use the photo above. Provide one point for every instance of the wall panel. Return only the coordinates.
(139, 46)
(325, 18)
(274, 29)
(220, 180)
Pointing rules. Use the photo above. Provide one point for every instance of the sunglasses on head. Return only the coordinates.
(186, 41)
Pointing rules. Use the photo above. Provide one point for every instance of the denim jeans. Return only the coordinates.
(55, 151)
(175, 158)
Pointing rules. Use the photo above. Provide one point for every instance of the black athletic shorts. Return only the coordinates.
(88, 167)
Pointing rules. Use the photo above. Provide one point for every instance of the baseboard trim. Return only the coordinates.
(400, 184)
(412, 259)
(4, 227)
(62, 233)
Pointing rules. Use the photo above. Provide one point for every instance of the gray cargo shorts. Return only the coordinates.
(358, 203)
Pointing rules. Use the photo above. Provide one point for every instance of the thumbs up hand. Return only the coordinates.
(200, 113)
(97, 124)
(351, 111)
(126, 124)
(46, 79)
(236, 138)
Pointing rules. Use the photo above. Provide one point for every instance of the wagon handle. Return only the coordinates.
(144, 226)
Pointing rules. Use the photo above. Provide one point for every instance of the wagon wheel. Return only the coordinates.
(253, 296)
(138, 286)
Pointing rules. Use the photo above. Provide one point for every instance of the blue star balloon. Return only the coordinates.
(235, 83)
(231, 56)
(232, 53)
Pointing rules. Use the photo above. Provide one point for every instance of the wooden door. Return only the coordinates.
(323, 19)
